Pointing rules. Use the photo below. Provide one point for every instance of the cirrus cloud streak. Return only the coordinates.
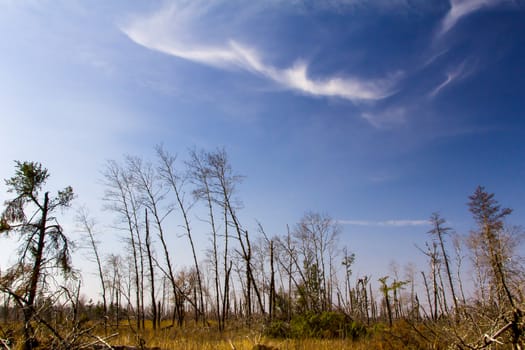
(385, 223)
(169, 31)
(461, 8)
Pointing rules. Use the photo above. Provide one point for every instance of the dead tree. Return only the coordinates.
(439, 230)
(149, 250)
(169, 175)
(201, 177)
(489, 216)
(88, 226)
(120, 198)
(225, 181)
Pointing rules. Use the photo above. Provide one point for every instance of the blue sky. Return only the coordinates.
(377, 113)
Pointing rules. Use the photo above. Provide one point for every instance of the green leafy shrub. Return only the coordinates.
(278, 329)
(326, 325)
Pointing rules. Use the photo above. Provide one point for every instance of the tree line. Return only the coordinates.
(299, 283)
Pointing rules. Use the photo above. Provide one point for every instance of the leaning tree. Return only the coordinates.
(44, 247)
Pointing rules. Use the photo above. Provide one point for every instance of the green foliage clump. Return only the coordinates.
(278, 329)
(325, 325)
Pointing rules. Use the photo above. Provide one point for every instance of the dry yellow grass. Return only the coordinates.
(201, 339)
(246, 344)
(196, 337)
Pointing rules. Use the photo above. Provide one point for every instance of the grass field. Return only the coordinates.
(194, 338)
(243, 343)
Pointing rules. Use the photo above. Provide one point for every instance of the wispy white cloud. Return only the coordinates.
(386, 6)
(434, 57)
(385, 223)
(387, 117)
(451, 76)
(455, 74)
(462, 8)
(169, 31)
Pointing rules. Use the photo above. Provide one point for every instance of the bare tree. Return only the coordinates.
(440, 230)
(168, 173)
(152, 192)
(288, 262)
(149, 251)
(121, 198)
(348, 260)
(213, 175)
(457, 243)
(200, 174)
(316, 236)
(113, 273)
(226, 181)
(88, 227)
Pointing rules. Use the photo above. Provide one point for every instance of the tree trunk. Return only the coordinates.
(151, 274)
(29, 310)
